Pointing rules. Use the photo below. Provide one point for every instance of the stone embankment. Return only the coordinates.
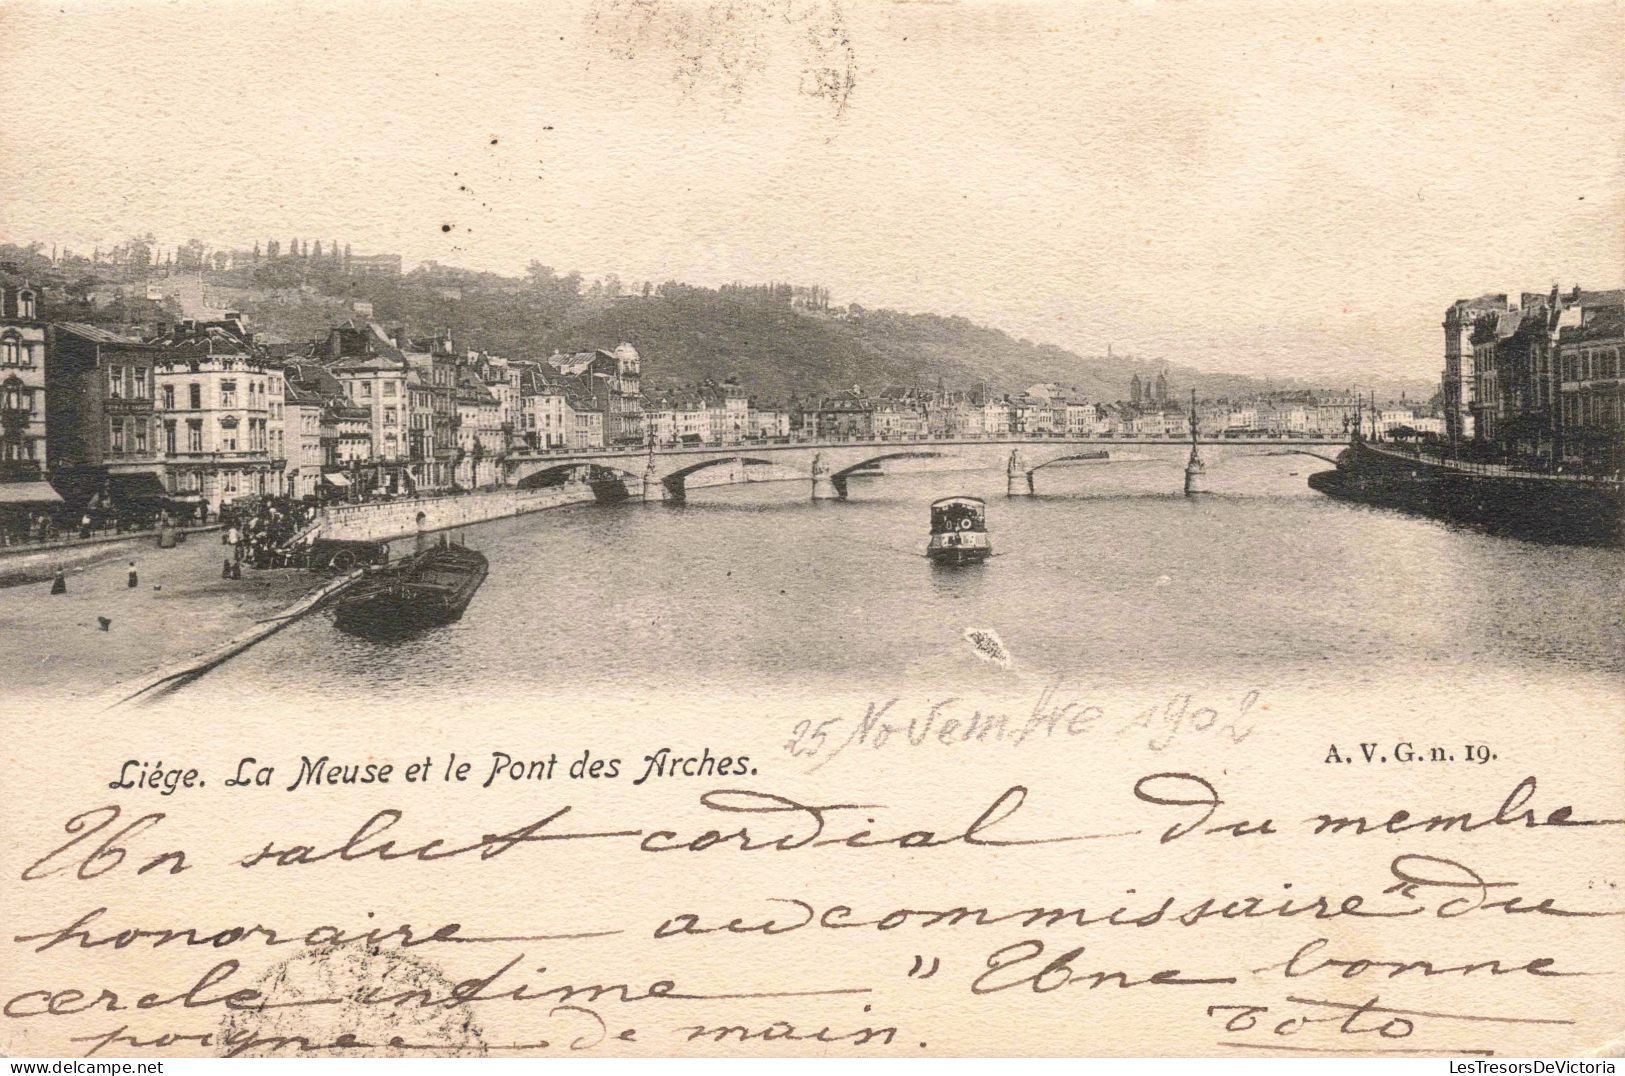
(379, 522)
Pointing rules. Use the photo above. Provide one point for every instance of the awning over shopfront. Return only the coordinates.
(29, 493)
(336, 480)
(79, 487)
(142, 489)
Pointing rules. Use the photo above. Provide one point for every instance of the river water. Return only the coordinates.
(1108, 577)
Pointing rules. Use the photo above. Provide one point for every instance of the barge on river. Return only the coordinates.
(426, 590)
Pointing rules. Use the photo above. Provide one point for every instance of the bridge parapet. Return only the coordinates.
(662, 473)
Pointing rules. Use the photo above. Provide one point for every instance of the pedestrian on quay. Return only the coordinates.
(134, 581)
(59, 584)
(84, 526)
(225, 568)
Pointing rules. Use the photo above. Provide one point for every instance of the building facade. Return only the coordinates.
(213, 400)
(1591, 371)
(306, 454)
(106, 438)
(24, 446)
(24, 454)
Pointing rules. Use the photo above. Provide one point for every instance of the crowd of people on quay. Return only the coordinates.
(261, 531)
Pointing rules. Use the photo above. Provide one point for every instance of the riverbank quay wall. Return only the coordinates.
(379, 522)
(1566, 509)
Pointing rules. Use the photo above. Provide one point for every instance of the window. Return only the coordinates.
(169, 399)
(115, 382)
(390, 416)
(169, 437)
(389, 388)
(13, 398)
(366, 390)
(194, 396)
(11, 349)
(140, 446)
(229, 481)
(194, 435)
(139, 389)
(115, 441)
(228, 393)
(25, 305)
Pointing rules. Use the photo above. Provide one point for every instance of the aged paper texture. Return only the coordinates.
(788, 527)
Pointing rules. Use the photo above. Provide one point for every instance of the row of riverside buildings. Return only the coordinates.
(199, 414)
(202, 414)
(1536, 379)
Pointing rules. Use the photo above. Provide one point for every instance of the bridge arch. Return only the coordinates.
(843, 473)
(556, 474)
(676, 482)
(1070, 457)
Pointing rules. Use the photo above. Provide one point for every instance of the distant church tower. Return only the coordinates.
(1162, 388)
(1135, 391)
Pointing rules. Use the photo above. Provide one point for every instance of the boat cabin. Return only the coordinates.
(954, 514)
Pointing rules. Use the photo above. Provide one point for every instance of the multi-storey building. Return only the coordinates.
(846, 416)
(307, 456)
(616, 378)
(767, 422)
(727, 411)
(589, 416)
(105, 439)
(502, 380)
(213, 399)
(545, 418)
(955, 417)
(432, 387)
(1456, 383)
(345, 428)
(1081, 418)
(479, 431)
(373, 373)
(677, 419)
(1514, 382)
(23, 428)
(1591, 373)
(997, 417)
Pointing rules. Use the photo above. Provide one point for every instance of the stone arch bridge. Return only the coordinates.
(662, 474)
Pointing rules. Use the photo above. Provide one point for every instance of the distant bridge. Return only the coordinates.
(662, 474)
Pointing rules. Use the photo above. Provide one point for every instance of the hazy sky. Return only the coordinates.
(1296, 188)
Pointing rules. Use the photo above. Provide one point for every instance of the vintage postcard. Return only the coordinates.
(838, 528)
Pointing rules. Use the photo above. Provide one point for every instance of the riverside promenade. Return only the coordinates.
(180, 607)
(181, 611)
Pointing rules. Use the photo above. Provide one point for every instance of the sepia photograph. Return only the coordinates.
(812, 528)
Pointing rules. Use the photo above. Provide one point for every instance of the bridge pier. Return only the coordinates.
(1019, 480)
(825, 486)
(654, 490)
(1195, 474)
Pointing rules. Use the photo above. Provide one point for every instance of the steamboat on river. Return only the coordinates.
(959, 531)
